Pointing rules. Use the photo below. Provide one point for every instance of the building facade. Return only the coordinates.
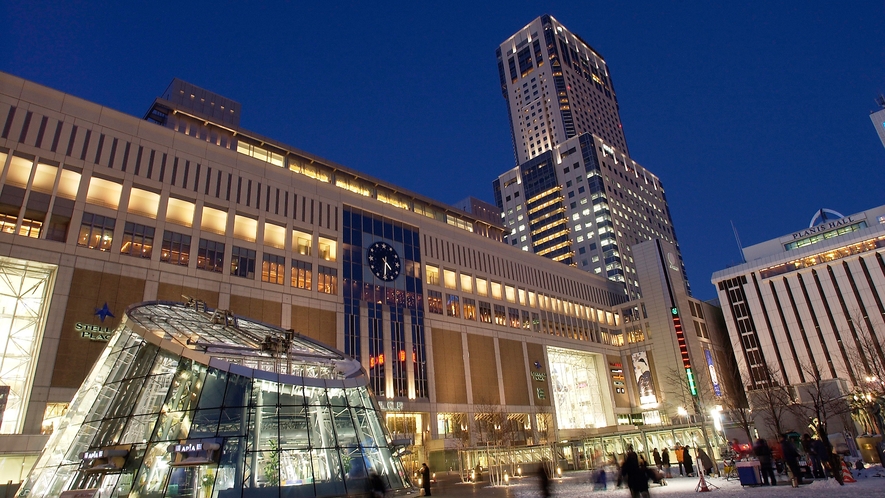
(585, 204)
(462, 337)
(556, 87)
(809, 304)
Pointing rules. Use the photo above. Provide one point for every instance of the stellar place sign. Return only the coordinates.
(94, 332)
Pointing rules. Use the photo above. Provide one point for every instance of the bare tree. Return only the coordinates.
(772, 402)
(701, 402)
(866, 366)
(735, 404)
(819, 400)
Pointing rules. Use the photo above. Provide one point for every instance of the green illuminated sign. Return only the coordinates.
(674, 311)
(691, 384)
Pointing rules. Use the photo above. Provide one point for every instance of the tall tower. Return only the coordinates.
(575, 196)
(556, 87)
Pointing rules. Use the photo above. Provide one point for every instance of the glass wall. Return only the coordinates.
(148, 422)
(577, 393)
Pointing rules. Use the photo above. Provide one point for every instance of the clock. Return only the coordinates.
(383, 261)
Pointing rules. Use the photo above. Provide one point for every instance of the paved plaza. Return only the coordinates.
(577, 484)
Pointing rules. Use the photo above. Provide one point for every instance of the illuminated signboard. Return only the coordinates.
(683, 350)
(195, 452)
(713, 377)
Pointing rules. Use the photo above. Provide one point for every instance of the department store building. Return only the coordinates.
(463, 338)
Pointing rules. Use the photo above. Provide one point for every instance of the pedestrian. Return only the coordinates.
(791, 458)
(705, 462)
(425, 478)
(634, 475)
(379, 489)
(811, 456)
(680, 454)
(657, 458)
(687, 461)
(544, 479)
(665, 461)
(763, 453)
(820, 451)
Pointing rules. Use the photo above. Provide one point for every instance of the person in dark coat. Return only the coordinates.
(665, 461)
(791, 458)
(705, 462)
(379, 489)
(657, 458)
(425, 478)
(544, 479)
(763, 453)
(635, 475)
(687, 460)
(820, 450)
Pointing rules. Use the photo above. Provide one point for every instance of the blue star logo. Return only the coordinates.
(103, 312)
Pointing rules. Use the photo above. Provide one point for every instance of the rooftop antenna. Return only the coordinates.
(880, 101)
(738, 240)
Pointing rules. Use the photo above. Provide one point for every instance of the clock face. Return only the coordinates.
(384, 261)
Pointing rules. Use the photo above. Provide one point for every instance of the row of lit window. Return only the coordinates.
(146, 203)
(97, 232)
(352, 184)
(483, 287)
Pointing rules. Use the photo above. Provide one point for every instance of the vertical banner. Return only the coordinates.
(4, 397)
(713, 377)
(643, 378)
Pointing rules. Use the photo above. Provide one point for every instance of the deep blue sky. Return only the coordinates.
(753, 112)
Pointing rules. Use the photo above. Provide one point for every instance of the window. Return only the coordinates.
(210, 256)
(432, 275)
(328, 249)
(496, 290)
(176, 248)
(513, 316)
(138, 240)
(180, 212)
(69, 184)
(301, 274)
(482, 287)
(242, 262)
(245, 228)
(466, 283)
(327, 280)
(301, 242)
(434, 302)
(7, 223)
(485, 312)
(500, 315)
(510, 293)
(96, 232)
(104, 192)
(274, 235)
(273, 269)
(453, 306)
(469, 309)
(449, 279)
(214, 220)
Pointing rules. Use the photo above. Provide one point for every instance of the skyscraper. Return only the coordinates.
(556, 87)
(576, 196)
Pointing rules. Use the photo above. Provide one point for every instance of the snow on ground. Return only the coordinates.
(870, 483)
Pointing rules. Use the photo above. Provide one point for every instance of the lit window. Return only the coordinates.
(432, 275)
(482, 287)
(69, 184)
(301, 274)
(327, 280)
(242, 262)
(44, 178)
(138, 240)
(496, 290)
(19, 171)
(328, 248)
(176, 248)
(96, 232)
(275, 235)
(273, 269)
(245, 228)
(104, 193)
(180, 212)
(434, 302)
(449, 279)
(214, 220)
(466, 283)
(143, 202)
(469, 309)
(301, 242)
(210, 256)
(453, 306)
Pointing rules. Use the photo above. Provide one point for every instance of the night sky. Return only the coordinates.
(755, 113)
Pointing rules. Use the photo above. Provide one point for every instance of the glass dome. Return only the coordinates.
(189, 402)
